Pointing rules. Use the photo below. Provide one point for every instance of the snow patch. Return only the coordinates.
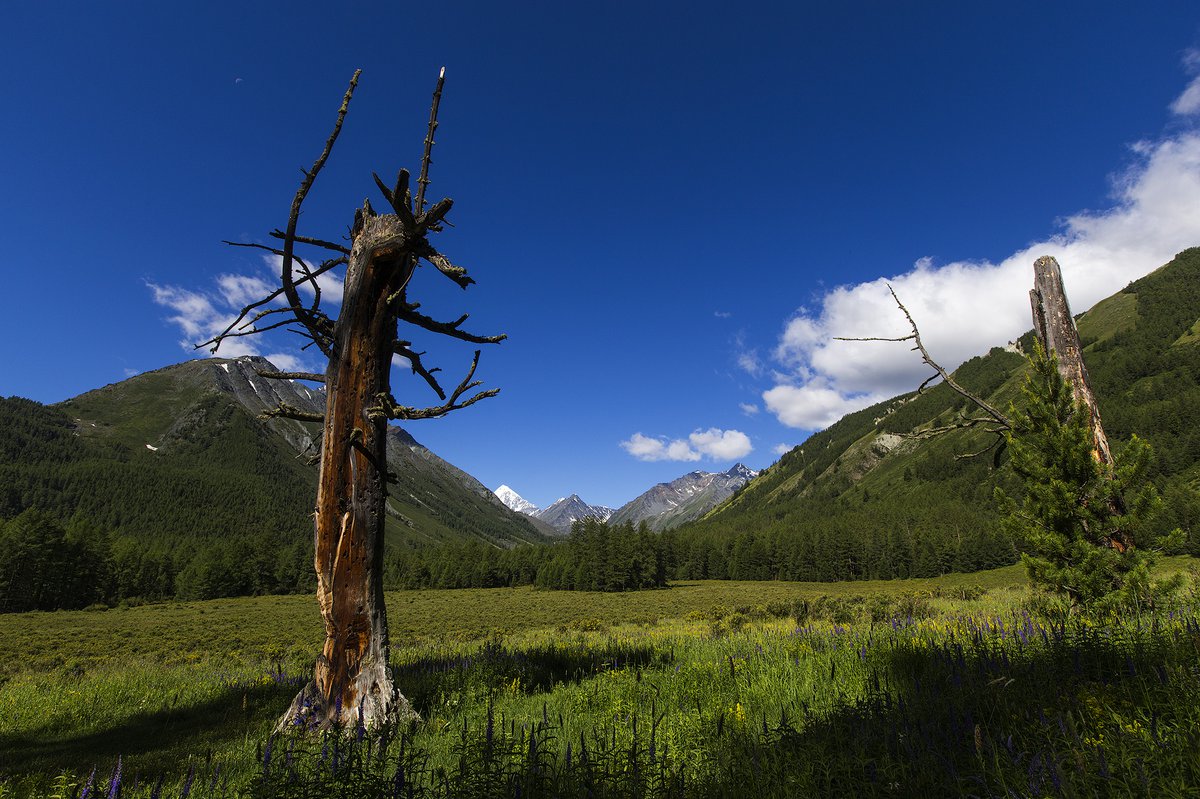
(152, 448)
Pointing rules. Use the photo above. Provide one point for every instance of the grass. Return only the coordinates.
(706, 689)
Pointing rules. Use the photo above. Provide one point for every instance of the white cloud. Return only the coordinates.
(201, 315)
(782, 449)
(722, 314)
(966, 307)
(748, 408)
(645, 448)
(749, 362)
(1188, 103)
(721, 445)
(286, 362)
(713, 443)
(813, 406)
(241, 290)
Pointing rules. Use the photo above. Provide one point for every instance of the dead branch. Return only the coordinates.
(285, 411)
(404, 350)
(289, 238)
(328, 245)
(273, 375)
(919, 346)
(409, 314)
(392, 410)
(423, 180)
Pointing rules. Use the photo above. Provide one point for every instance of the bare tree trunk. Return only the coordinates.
(1055, 328)
(352, 683)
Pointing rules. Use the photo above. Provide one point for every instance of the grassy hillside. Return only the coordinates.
(871, 496)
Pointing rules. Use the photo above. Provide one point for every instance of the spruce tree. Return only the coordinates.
(1076, 512)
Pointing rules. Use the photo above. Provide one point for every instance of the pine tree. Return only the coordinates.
(1077, 512)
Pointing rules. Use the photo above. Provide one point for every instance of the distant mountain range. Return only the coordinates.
(684, 499)
(664, 506)
(560, 515)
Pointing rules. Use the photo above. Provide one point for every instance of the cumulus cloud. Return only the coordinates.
(748, 408)
(713, 443)
(721, 445)
(966, 307)
(782, 449)
(645, 448)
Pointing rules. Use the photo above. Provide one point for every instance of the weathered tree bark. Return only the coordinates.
(352, 686)
(1055, 328)
(352, 670)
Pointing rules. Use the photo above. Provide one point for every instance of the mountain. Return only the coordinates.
(182, 451)
(686, 498)
(877, 494)
(563, 513)
(515, 501)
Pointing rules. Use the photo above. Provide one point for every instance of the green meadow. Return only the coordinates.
(959, 685)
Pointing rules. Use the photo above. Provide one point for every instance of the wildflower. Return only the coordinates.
(87, 786)
(114, 785)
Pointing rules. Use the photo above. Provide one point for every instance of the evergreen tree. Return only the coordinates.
(1076, 512)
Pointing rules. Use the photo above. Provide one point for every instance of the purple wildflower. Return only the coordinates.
(187, 784)
(114, 785)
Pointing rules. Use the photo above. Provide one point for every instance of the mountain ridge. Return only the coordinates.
(178, 415)
(683, 499)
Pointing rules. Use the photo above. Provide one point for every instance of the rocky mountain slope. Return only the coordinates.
(562, 514)
(181, 451)
(686, 498)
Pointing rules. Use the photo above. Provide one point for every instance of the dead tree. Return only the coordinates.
(1055, 328)
(352, 685)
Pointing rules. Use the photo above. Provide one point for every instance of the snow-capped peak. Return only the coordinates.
(515, 501)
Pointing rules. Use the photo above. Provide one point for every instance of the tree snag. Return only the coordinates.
(352, 684)
(1055, 328)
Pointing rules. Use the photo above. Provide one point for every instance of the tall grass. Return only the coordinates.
(950, 690)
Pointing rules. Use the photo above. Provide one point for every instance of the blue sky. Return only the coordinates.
(669, 208)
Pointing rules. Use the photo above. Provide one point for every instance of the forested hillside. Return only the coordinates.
(870, 497)
(191, 494)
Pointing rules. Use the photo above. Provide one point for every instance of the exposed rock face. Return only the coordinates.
(684, 499)
(239, 377)
(568, 510)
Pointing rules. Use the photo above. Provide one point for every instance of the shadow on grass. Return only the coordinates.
(154, 742)
(1043, 712)
(531, 669)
